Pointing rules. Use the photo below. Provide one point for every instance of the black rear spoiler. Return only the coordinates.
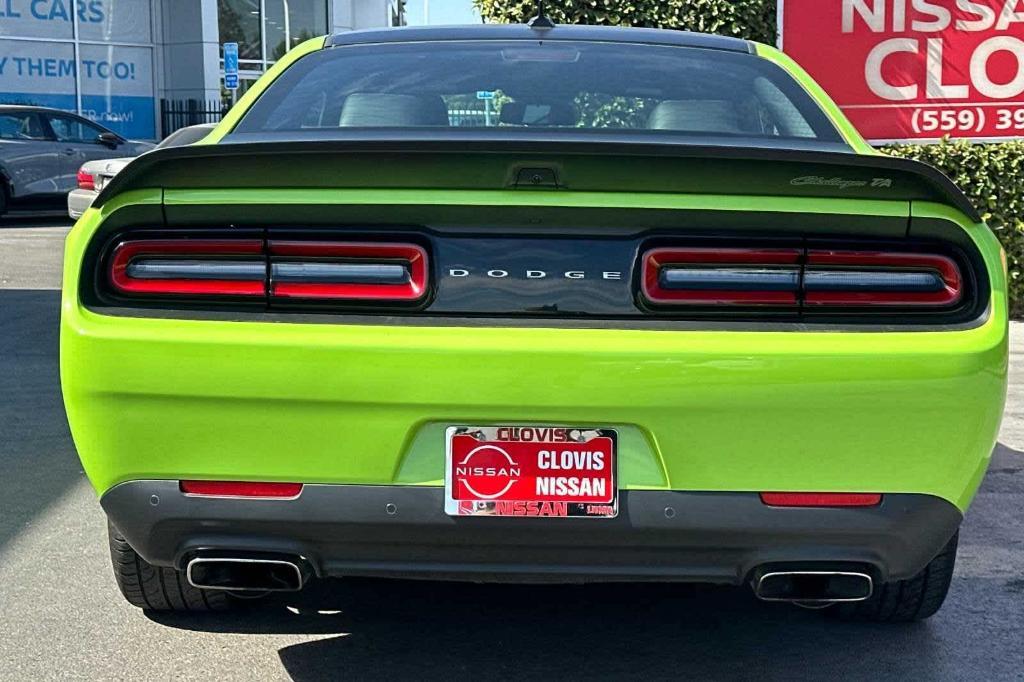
(490, 161)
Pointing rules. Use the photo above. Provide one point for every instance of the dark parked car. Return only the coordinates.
(42, 149)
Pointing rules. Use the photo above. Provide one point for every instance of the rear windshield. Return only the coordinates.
(640, 89)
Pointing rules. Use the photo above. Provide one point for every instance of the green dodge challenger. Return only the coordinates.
(535, 303)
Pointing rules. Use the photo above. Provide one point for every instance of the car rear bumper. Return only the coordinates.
(79, 200)
(402, 531)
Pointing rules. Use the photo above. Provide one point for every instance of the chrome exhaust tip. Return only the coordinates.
(246, 574)
(813, 588)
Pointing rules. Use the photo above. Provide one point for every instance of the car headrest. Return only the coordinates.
(698, 116)
(552, 114)
(31, 129)
(376, 110)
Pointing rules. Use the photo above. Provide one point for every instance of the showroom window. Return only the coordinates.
(266, 29)
(289, 22)
(239, 22)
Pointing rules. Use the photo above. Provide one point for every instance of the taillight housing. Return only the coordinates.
(189, 267)
(725, 276)
(347, 271)
(86, 180)
(805, 280)
(273, 272)
(873, 278)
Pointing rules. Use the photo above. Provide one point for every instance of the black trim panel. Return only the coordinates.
(347, 530)
(544, 278)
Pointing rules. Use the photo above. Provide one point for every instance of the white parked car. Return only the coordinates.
(94, 175)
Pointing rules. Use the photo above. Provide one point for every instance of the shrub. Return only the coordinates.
(751, 19)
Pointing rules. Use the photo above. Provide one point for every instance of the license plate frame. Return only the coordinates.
(572, 471)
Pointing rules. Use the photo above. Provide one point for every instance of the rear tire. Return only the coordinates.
(3, 197)
(906, 601)
(156, 588)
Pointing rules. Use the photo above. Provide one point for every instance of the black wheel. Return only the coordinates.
(3, 197)
(156, 588)
(906, 601)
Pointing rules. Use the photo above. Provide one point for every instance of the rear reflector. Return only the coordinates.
(703, 276)
(189, 267)
(821, 499)
(240, 489)
(347, 271)
(86, 181)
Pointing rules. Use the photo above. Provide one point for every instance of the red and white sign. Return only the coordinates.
(530, 471)
(914, 69)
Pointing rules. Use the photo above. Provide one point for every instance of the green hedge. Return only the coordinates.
(992, 175)
(752, 19)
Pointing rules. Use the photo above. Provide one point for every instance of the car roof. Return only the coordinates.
(32, 107)
(613, 34)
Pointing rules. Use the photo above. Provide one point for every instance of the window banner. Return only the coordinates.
(117, 88)
(116, 80)
(914, 69)
(102, 20)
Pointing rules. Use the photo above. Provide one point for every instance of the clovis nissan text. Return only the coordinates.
(662, 315)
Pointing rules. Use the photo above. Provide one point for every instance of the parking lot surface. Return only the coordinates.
(61, 615)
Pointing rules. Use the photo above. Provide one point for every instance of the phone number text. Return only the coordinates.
(968, 120)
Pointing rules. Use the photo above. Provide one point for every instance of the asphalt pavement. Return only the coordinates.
(61, 615)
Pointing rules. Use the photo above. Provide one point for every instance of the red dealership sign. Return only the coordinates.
(914, 69)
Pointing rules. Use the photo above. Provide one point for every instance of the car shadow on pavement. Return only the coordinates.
(38, 463)
(35, 219)
(431, 630)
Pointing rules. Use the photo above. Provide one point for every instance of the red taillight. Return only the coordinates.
(272, 271)
(189, 267)
(85, 180)
(854, 278)
(821, 499)
(347, 271)
(240, 489)
(728, 276)
(795, 278)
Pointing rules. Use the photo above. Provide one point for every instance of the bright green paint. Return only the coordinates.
(709, 410)
(388, 197)
(846, 129)
(232, 118)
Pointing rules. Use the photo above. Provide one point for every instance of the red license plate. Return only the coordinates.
(547, 471)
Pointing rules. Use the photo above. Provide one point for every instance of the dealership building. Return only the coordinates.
(131, 64)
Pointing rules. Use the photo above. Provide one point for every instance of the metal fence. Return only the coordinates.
(178, 113)
(471, 118)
